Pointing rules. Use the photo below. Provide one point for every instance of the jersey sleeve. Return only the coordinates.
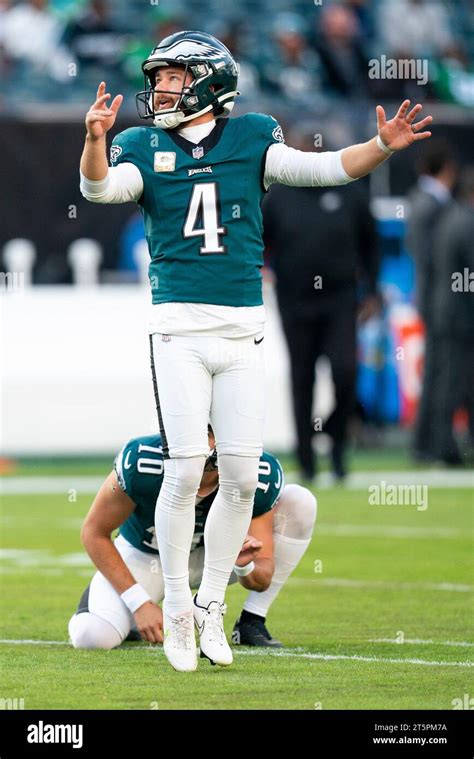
(125, 467)
(269, 129)
(139, 469)
(271, 482)
(125, 147)
(125, 473)
(264, 131)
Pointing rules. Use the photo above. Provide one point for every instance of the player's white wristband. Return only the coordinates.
(243, 571)
(134, 597)
(383, 146)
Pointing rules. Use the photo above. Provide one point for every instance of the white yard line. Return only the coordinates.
(355, 481)
(433, 478)
(27, 642)
(284, 652)
(42, 557)
(44, 562)
(50, 485)
(380, 584)
(356, 657)
(388, 531)
(49, 571)
(10, 521)
(421, 642)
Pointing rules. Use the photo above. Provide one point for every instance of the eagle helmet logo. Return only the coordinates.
(187, 49)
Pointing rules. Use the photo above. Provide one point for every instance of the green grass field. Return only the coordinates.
(389, 573)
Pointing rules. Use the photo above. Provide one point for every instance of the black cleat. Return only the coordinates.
(202, 655)
(253, 633)
(133, 635)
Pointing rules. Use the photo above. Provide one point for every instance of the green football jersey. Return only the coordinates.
(201, 207)
(139, 470)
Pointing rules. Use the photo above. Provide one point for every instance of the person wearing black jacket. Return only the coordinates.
(453, 319)
(429, 199)
(322, 242)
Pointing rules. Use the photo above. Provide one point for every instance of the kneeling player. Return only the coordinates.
(120, 601)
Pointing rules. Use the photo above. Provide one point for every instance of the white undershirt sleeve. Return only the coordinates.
(123, 183)
(285, 165)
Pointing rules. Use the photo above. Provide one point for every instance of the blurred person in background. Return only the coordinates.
(429, 198)
(158, 24)
(93, 38)
(4, 8)
(31, 37)
(453, 75)
(414, 28)
(339, 45)
(235, 35)
(453, 318)
(363, 9)
(322, 244)
(290, 68)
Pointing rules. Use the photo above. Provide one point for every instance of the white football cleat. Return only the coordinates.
(179, 643)
(210, 626)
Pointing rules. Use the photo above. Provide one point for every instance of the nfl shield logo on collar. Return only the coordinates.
(198, 152)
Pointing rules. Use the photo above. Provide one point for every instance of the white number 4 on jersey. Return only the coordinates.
(204, 203)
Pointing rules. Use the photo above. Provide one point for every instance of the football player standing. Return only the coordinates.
(199, 178)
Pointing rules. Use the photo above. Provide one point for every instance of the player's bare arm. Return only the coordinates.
(258, 547)
(110, 509)
(397, 134)
(99, 119)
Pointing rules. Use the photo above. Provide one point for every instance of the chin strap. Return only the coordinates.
(168, 121)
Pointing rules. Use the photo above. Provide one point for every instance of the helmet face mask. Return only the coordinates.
(212, 87)
(146, 99)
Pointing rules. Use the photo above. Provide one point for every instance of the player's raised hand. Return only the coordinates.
(149, 621)
(250, 549)
(402, 131)
(100, 117)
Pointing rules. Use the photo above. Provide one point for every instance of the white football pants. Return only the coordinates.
(196, 379)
